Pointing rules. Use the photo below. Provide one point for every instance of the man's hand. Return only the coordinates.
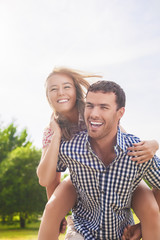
(63, 226)
(132, 232)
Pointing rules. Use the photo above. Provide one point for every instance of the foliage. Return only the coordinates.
(64, 176)
(31, 232)
(10, 139)
(20, 192)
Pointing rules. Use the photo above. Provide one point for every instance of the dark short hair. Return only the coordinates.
(107, 87)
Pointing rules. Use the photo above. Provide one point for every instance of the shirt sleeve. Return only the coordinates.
(61, 166)
(152, 175)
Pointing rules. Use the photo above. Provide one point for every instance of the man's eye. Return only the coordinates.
(89, 106)
(105, 108)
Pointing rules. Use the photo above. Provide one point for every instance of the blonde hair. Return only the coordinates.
(81, 85)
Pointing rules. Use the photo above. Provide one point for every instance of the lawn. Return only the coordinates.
(12, 232)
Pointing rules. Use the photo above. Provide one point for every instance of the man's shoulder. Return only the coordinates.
(80, 136)
(77, 140)
(129, 139)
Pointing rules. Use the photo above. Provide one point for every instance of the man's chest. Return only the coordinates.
(91, 175)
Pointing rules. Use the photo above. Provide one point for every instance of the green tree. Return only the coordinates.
(11, 139)
(21, 192)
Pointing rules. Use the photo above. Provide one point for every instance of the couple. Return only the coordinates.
(105, 177)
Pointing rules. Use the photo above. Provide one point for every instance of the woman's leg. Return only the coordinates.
(146, 208)
(157, 195)
(60, 203)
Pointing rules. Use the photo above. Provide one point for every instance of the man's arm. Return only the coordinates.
(152, 174)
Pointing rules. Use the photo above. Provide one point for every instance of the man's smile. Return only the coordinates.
(95, 124)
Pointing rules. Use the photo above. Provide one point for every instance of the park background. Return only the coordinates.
(119, 40)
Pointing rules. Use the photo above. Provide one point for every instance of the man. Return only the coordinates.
(100, 169)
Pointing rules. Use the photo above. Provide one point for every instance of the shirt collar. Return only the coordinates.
(120, 140)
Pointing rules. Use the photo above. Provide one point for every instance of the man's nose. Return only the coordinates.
(95, 112)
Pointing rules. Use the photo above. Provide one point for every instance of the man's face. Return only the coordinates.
(101, 114)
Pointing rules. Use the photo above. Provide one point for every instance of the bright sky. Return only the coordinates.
(118, 39)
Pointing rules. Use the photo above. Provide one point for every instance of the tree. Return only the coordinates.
(20, 192)
(11, 139)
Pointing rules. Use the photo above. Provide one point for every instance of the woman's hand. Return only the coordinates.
(143, 151)
(53, 125)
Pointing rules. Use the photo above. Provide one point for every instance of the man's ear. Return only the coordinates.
(121, 112)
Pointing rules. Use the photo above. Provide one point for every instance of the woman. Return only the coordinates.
(64, 90)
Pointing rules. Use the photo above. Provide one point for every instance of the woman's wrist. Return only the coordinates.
(47, 137)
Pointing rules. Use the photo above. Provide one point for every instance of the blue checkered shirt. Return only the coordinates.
(103, 207)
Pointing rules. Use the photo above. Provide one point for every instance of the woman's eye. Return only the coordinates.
(53, 89)
(67, 87)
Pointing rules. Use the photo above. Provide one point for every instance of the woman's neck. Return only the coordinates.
(72, 116)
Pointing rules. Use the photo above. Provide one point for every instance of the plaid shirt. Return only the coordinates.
(104, 193)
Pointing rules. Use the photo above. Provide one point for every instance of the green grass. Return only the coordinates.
(13, 232)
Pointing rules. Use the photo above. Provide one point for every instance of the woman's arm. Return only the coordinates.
(143, 151)
(50, 188)
(46, 170)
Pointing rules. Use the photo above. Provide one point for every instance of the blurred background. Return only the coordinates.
(117, 39)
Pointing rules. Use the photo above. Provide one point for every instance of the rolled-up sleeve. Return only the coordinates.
(152, 175)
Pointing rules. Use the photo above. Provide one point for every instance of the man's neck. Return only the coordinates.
(104, 148)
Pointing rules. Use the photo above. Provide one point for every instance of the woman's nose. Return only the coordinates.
(60, 91)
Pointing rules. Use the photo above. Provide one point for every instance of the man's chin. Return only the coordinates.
(93, 134)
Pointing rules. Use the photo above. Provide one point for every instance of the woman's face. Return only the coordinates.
(61, 93)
